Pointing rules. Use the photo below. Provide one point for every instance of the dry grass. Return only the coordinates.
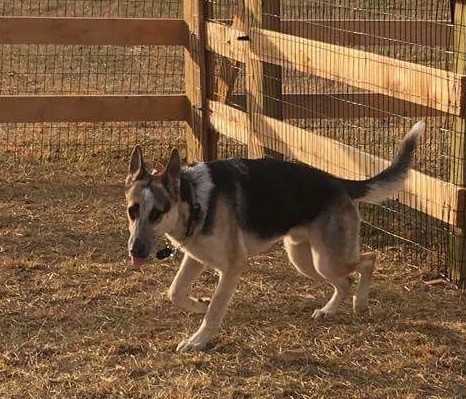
(78, 322)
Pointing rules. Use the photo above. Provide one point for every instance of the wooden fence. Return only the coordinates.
(262, 43)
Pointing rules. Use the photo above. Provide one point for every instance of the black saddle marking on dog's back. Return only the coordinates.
(270, 196)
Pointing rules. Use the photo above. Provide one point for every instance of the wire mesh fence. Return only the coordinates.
(75, 141)
(60, 69)
(334, 84)
(93, 8)
(41, 69)
(347, 71)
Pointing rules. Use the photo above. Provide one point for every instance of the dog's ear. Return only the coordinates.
(136, 168)
(172, 174)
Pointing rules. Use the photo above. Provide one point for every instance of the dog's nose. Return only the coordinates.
(138, 249)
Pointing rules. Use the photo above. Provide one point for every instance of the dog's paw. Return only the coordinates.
(320, 314)
(192, 344)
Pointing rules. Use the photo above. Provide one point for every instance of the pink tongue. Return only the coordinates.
(138, 261)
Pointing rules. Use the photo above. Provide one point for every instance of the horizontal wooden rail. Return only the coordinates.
(369, 32)
(435, 197)
(223, 40)
(128, 31)
(92, 31)
(90, 108)
(419, 84)
(372, 32)
(343, 105)
(426, 86)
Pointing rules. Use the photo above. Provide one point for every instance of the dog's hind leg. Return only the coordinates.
(341, 285)
(365, 268)
(190, 270)
(335, 250)
(299, 254)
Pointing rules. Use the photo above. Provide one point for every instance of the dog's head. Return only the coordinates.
(151, 200)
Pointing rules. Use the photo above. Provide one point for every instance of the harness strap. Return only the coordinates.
(188, 194)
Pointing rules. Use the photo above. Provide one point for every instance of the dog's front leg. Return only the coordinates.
(226, 286)
(189, 271)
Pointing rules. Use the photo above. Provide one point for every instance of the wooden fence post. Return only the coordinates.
(458, 150)
(263, 80)
(221, 81)
(198, 146)
(228, 69)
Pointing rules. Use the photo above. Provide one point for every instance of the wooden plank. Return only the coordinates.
(423, 85)
(369, 32)
(435, 197)
(228, 69)
(263, 80)
(223, 40)
(198, 146)
(457, 242)
(353, 33)
(92, 31)
(222, 79)
(343, 105)
(254, 70)
(92, 108)
(416, 83)
(229, 121)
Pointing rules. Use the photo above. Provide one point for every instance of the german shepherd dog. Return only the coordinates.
(219, 213)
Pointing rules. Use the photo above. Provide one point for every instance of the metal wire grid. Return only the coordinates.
(67, 70)
(76, 141)
(57, 69)
(93, 8)
(336, 113)
(364, 9)
(228, 147)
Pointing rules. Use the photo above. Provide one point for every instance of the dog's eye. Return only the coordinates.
(133, 211)
(154, 214)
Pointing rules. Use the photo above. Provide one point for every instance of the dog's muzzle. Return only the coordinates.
(138, 251)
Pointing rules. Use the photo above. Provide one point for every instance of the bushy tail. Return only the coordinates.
(390, 180)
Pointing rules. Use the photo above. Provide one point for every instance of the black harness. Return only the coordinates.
(188, 194)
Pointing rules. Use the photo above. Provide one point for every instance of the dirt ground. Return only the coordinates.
(77, 321)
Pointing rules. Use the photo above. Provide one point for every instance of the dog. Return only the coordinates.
(219, 213)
